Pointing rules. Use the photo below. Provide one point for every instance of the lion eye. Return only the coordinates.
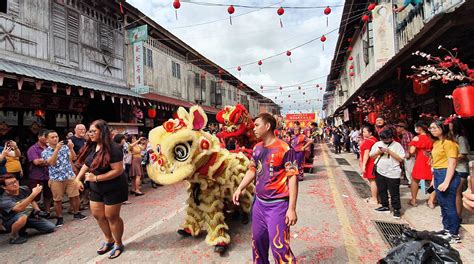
(182, 151)
(158, 149)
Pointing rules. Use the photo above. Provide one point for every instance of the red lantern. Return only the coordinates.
(372, 117)
(351, 74)
(230, 10)
(371, 6)
(351, 67)
(40, 113)
(323, 38)
(403, 116)
(349, 49)
(152, 112)
(176, 5)
(281, 88)
(260, 63)
(350, 58)
(288, 53)
(365, 18)
(388, 98)
(280, 12)
(420, 87)
(321, 88)
(327, 11)
(463, 100)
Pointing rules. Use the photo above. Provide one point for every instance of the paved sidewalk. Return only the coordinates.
(420, 217)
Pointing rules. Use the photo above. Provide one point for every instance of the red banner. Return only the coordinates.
(305, 119)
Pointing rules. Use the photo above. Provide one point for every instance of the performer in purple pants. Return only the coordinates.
(273, 166)
(299, 142)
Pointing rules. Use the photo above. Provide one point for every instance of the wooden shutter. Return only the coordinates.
(106, 38)
(73, 37)
(13, 7)
(59, 32)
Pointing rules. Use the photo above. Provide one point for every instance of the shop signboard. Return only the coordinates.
(35, 100)
(138, 34)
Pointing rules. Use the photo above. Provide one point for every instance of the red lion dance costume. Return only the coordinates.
(238, 124)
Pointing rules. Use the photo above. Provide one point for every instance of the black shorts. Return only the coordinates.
(110, 195)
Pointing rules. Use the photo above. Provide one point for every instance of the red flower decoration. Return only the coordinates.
(205, 144)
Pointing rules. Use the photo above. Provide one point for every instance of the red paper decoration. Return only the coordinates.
(350, 58)
(288, 53)
(420, 88)
(230, 10)
(365, 18)
(350, 48)
(351, 74)
(463, 101)
(261, 87)
(351, 67)
(281, 88)
(238, 68)
(260, 62)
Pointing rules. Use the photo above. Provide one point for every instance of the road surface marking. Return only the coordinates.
(348, 234)
(141, 233)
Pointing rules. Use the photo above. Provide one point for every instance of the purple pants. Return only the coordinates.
(269, 229)
(300, 161)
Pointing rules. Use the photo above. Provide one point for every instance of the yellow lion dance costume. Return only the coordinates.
(182, 151)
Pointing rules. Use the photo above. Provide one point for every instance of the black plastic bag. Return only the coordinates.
(421, 247)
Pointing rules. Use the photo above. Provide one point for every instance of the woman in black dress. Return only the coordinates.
(103, 169)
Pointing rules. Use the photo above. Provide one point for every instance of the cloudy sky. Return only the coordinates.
(256, 34)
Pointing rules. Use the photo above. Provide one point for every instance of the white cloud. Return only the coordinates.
(255, 36)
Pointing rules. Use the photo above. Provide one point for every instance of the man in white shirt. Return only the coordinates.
(388, 154)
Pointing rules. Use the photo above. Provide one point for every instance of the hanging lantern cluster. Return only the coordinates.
(366, 17)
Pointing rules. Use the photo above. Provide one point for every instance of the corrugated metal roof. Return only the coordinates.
(64, 78)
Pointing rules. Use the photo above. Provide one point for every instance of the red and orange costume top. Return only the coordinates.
(273, 164)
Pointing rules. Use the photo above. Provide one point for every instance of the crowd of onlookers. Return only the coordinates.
(388, 153)
(35, 181)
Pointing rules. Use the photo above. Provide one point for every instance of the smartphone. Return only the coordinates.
(430, 190)
(65, 141)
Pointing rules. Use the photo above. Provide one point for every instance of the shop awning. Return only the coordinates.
(178, 102)
(39, 73)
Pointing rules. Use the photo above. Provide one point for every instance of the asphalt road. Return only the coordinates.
(334, 227)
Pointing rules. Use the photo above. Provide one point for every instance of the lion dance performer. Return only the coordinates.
(182, 151)
(238, 124)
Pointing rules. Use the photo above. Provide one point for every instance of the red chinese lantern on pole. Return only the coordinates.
(288, 53)
(463, 101)
(327, 11)
(280, 12)
(372, 117)
(230, 10)
(323, 39)
(259, 65)
(420, 88)
(176, 5)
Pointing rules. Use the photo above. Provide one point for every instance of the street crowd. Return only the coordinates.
(90, 167)
(390, 154)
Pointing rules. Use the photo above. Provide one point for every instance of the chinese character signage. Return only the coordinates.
(138, 64)
(138, 34)
(305, 119)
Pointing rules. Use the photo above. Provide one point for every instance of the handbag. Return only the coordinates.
(374, 171)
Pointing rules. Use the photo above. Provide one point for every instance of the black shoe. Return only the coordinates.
(139, 193)
(133, 192)
(23, 234)
(60, 222)
(396, 214)
(183, 233)
(220, 249)
(382, 209)
(17, 240)
(80, 216)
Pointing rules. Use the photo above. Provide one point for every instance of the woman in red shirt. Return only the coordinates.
(366, 162)
(420, 147)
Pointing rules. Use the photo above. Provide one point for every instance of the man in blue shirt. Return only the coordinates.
(59, 156)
